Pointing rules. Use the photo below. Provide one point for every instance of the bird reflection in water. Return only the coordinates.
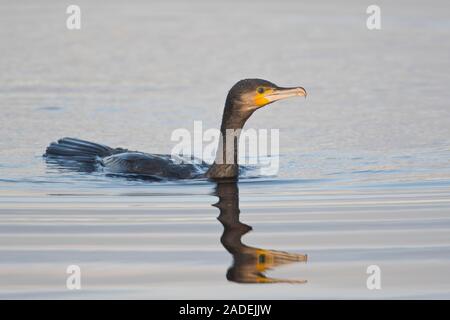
(249, 263)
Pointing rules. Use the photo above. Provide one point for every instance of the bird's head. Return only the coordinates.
(248, 95)
(257, 93)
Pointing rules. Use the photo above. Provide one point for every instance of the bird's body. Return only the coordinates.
(243, 99)
(157, 165)
(122, 161)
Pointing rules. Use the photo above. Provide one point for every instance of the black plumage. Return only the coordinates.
(242, 100)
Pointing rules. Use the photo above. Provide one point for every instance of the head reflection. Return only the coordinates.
(249, 263)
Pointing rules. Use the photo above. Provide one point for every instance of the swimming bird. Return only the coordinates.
(244, 98)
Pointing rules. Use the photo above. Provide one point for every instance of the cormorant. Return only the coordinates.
(245, 97)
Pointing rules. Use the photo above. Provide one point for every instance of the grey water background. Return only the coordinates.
(364, 168)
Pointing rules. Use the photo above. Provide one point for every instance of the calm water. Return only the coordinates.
(364, 169)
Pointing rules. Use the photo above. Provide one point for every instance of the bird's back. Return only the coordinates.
(69, 151)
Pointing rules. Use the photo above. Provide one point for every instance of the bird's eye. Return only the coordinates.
(260, 90)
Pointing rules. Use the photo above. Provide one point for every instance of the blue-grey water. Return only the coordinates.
(364, 174)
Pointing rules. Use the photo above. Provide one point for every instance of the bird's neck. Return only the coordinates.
(226, 162)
